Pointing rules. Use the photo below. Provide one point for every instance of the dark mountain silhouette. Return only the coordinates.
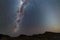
(45, 36)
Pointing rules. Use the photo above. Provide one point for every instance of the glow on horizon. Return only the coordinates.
(52, 20)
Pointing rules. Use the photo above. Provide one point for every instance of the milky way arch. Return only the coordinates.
(20, 15)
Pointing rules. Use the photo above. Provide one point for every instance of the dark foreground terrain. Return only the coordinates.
(45, 36)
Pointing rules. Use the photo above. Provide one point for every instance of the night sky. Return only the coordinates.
(39, 16)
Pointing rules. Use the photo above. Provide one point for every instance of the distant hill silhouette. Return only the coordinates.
(45, 36)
